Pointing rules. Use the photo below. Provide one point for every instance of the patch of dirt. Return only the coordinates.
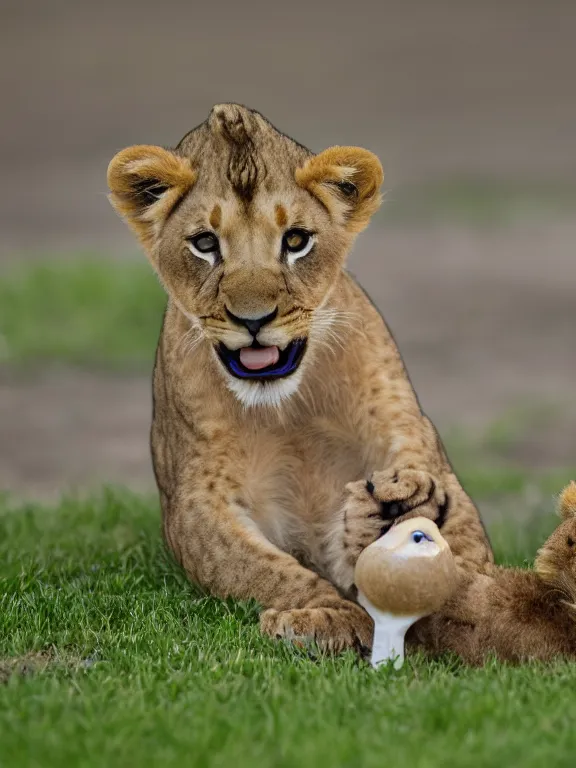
(73, 430)
(35, 663)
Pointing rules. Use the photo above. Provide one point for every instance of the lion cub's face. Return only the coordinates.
(248, 231)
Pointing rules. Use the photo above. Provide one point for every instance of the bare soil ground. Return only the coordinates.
(486, 319)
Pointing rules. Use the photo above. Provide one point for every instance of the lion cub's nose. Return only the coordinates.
(254, 324)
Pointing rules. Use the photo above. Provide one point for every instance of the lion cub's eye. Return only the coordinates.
(297, 243)
(205, 245)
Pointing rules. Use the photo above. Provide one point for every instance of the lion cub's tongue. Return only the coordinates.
(255, 359)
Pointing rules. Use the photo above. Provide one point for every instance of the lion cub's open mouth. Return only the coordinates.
(257, 362)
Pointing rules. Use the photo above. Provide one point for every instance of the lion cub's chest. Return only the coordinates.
(294, 479)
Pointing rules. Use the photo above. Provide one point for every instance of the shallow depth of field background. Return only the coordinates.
(472, 259)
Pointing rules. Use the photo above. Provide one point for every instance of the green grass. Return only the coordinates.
(88, 312)
(108, 657)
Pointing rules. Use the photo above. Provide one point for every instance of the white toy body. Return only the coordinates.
(405, 575)
(389, 633)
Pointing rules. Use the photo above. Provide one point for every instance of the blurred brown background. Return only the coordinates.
(470, 105)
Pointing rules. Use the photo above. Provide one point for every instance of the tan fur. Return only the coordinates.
(216, 217)
(567, 502)
(512, 613)
(281, 216)
(263, 486)
(322, 174)
(144, 167)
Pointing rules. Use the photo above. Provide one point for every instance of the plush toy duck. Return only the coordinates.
(405, 575)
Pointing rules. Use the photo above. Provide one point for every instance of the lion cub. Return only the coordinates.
(286, 435)
(513, 613)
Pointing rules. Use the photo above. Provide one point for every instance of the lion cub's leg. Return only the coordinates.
(222, 550)
(410, 473)
(419, 481)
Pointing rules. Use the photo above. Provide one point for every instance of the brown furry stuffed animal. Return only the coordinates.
(514, 614)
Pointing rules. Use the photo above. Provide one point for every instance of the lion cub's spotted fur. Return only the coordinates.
(264, 485)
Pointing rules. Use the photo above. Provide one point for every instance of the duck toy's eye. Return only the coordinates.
(419, 536)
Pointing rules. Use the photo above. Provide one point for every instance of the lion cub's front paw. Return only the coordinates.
(370, 507)
(401, 491)
(332, 629)
(363, 520)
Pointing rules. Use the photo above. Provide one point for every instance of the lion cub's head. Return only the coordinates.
(247, 231)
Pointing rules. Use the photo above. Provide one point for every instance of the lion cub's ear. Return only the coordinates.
(145, 184)
(567, 502)
(347, 182)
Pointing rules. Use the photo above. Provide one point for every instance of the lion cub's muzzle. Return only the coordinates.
(259, 361)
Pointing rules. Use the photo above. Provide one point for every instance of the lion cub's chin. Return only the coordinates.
(254, 393)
